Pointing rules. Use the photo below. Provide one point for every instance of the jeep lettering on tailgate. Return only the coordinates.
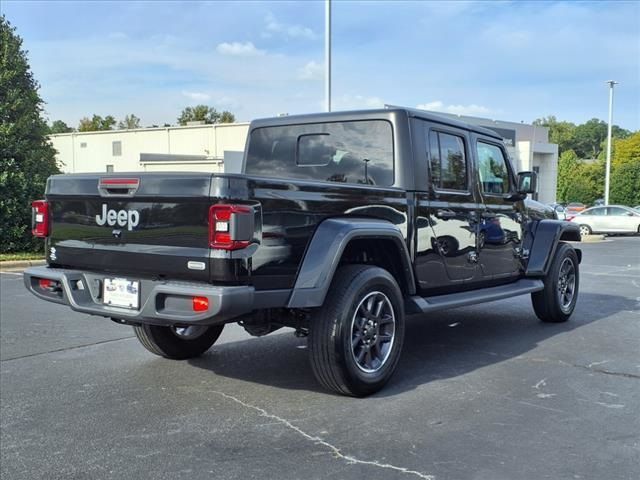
(128, 218)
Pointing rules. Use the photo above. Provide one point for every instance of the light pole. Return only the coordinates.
(608, 171)
(327, 54)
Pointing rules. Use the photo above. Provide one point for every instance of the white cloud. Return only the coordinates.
(354, 102)
(292, 31)
(239, 49)
(197, 96)
(439, 106)
(311, 71)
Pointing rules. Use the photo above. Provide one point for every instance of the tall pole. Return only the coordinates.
(608, 171)
(327, 54)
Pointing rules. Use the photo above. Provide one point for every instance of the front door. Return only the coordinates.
(500, 224)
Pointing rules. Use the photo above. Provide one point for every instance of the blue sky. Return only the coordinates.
(504, 60)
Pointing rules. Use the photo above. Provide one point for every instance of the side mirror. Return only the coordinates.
(527, 182)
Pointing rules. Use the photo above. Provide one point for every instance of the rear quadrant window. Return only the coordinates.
(447, 161)
(359, 152)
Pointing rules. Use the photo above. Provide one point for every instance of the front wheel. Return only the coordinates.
(355, 339)
(585, 230)
(178, 343)
(556, 302)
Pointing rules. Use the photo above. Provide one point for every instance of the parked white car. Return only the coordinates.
(609, 219)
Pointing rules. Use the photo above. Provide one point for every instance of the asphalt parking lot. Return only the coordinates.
(485, 392)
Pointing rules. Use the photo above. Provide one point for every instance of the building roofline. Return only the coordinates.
(135, 130)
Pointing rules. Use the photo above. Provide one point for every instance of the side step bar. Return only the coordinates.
(418, 304)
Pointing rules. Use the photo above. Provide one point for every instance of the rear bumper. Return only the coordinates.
(161, 302)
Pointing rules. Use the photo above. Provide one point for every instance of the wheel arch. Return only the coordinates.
(338, 241)
(547, 235)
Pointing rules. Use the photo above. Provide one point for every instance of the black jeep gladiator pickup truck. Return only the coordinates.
(340, 226)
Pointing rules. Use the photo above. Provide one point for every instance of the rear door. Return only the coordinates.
(500, 227)
(595, 218)
(447, 211)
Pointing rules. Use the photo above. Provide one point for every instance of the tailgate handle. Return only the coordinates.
(118, 187)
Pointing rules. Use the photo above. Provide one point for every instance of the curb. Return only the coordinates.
(15, 264)
(592, 238)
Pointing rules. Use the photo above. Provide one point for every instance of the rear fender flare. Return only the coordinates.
(325, 251)
(547, 235)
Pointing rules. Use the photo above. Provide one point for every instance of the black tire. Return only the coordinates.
(585, 230)
(167, 342)
(334, 360)
(552, 304)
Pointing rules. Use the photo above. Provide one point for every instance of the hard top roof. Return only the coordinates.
(371, 115)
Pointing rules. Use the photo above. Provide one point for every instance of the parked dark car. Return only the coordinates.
(340, 225)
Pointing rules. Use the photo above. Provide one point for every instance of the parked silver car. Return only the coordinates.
(609, 219)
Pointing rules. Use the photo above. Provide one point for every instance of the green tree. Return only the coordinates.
(589, 137)
(130, 122)
(199, 113)
(26, 156)
(59, 126)
(227, 117)
(97, 123)
(568, 164)
(560, 132)
(625, 171)
(579, 181)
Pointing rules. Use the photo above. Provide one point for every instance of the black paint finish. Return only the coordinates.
(453, 240)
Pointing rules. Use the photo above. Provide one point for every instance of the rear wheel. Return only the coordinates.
(178, 343)
(556, 302)
(585, 230)
(355, 339)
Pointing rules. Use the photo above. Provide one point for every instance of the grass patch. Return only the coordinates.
(5, 257)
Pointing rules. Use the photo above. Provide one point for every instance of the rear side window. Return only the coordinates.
(448, 161)
(358, 152)
(492, 169)
(594, 211)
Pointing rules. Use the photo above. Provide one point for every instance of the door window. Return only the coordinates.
(448, 162)
(617, 211)
(492, 169)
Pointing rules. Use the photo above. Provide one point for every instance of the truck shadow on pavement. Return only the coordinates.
(445, 345)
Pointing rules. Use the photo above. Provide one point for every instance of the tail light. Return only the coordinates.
(230, 226)
(40, 218)
(200, 304)
(49, 285)
(568, 218)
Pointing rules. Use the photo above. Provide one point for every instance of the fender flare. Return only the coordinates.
(326, 248)
(547, 235)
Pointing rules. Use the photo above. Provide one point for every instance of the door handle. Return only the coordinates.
(443, 213)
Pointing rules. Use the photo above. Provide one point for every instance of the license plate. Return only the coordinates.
(120, 292)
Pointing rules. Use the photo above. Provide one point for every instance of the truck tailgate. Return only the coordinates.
(145, 223)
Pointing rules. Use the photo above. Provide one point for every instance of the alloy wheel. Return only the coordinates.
(373, 330)
(566, 284)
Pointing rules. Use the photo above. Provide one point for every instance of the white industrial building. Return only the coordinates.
(219, 147)
(188, 148)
